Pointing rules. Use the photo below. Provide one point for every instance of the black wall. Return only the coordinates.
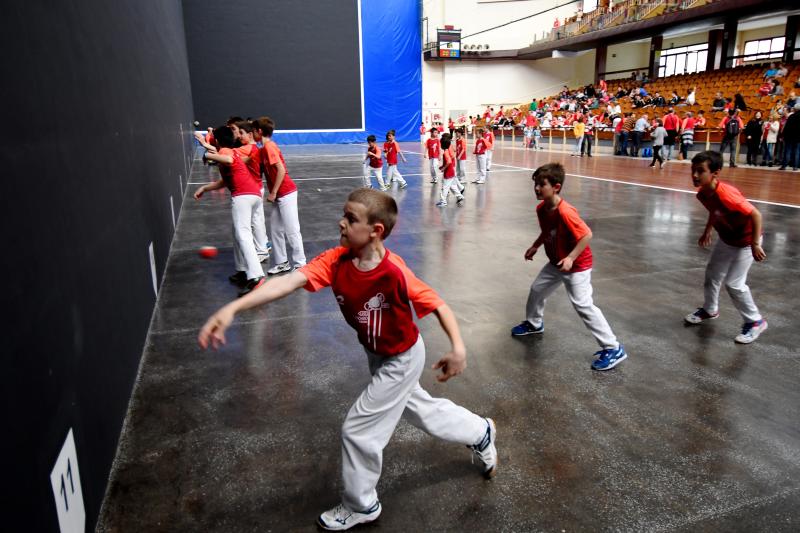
(95, 96)
(295, 61)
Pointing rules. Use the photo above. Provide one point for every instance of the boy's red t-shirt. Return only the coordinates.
(391, 149)
(433, 148)
(270, 156)
(449, 164)
(480, 146)
(461, 149)
(670, 121)
(375, 162)
(562, 228)
(237, 177)
(488, 137)
(730, 214)
(378, 303)
(254, 164)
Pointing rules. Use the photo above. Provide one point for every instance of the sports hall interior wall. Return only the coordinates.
(301, 65)
(96, 140)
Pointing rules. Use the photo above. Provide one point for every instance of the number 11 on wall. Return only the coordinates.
(66, 482)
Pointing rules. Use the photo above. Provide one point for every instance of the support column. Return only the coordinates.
(792, 27)
(729, 42)
(714, 50)
(601, 52)
(656, 43)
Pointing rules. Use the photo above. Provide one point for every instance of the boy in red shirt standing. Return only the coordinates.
(375, 291)
(392, 149)
(489, 138)
(433, 153)
(448, 169)
(284, 223)
(565, 237)
(251, 155)
(461, 158)
(375, 164)
(246, 198)
(738, 224)
(480, 156)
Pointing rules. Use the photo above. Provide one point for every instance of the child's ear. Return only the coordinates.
(378, 229)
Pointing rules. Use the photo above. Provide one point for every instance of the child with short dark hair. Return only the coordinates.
(392, 150)
(374, 164)
(565, 237)
(480, 155)
(433, 153)
(448, 170)
(375, 291)
(738, 225)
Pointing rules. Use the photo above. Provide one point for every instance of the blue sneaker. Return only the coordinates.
(526, 328)
(609, 358)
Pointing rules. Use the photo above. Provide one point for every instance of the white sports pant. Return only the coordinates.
(578, 144)
(730, 265)
(260, 228)
(579, 291)
(450, 184)
(394, 392)
(481, 160)
(434, 164)
(373, 172)
(284, 225)
(393, 174)
(460, 172)
(489, 159)
(244, 209)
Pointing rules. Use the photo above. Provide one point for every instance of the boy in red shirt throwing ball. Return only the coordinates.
(738, 224)
(375, 291)
(566, 242)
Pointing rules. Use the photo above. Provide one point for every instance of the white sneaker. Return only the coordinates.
(340, 518)
(751, 331)
(485, 450)
(262, 258)
(277, 269)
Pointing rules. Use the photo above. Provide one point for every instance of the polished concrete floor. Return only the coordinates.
(691, 433)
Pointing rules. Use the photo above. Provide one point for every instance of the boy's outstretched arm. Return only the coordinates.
(565, 265)
(455, 361)
(213, 331)
(226, 159)
(213, 186)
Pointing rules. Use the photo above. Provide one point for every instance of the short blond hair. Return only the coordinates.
(381, 207)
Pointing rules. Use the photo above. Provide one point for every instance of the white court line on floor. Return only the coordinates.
(647, 185)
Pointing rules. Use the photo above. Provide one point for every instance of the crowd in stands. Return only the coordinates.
(633, 114)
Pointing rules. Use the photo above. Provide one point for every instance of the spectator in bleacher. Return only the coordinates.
(603, 86)
(777, 89)
(700, 120)
(621, 93)
(731, 125)
(765, 88)
(719, 102)
(635, 75)
(728, 104)
(777, 109)
(674, 99)
(738, 102)
(782, 71)
(658, 100)
(771, 71)
(671, 124)
(639, 129)
(589, 91)
(691, 98)
(797, 83)
(791, 139)
(792, 100)
(753, 132)
(687, 135)
(771, 129)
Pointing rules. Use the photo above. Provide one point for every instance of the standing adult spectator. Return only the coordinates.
(731, 126)
(752, 133)
(738, 102)
(791, 140)
(671, 124)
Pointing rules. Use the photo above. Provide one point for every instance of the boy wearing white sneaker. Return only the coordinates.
(565, 237)
(449, 181)
(433, 153)
(461, 158)
(392, 149)
(738, 225)
(480, 156)
(374, 164)
(375, 291)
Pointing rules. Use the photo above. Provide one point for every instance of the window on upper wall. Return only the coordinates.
(769, 48)
(589, 5)
(683, 60)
